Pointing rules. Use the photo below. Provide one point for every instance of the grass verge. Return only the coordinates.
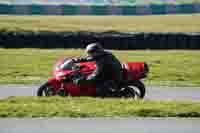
(94, 107)
(169, 68)
(155, 23)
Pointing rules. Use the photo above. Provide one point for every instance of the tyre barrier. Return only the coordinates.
(110, 40)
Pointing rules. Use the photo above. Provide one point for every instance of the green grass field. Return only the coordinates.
(157, 23)
(33, 66)
(169, 68)
(94, 107)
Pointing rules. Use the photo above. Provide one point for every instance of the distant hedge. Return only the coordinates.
(98, 10)
(110, 40)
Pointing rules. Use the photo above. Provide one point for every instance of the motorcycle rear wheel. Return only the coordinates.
(134, 89)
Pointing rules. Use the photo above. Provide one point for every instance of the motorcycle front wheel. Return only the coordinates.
(45, 90)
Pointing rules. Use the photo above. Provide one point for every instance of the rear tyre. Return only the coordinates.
(45, 90)
(135, 89)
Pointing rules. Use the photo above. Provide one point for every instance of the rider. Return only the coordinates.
(108, 68)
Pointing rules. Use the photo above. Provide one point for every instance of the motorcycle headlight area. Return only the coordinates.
(60, 74)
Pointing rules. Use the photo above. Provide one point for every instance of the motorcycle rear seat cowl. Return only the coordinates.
(135, 70)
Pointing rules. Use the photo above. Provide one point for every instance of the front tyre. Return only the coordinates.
(45, 90)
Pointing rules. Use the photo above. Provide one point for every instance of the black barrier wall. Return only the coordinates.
(110, 40)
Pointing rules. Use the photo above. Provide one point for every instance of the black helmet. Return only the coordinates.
(94, 47)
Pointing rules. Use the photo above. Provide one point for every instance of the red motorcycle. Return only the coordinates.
(65, 71)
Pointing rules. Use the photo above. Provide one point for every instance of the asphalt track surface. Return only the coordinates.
(103, 125)
(100, 125)
(153, 93)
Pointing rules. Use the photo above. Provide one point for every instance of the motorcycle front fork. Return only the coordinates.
(61, 91)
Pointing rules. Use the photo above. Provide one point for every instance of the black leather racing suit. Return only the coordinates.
(108, 68)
